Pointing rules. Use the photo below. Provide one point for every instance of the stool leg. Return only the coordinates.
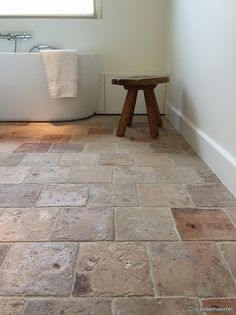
(155, 104)
(127, 112)
(132, 107)
(152, 113)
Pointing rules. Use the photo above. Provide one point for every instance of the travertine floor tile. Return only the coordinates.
(9, 147)
(112, 269)
(112, 195)
(28, 224)
(47, 174)
(190, 269)
(13, 174)
(11, 306)
(152, 159)
(18, 195)
(66, 148)
(162, 195)
(33, 148)
(91, 174)
(100, 148)
(56, 138)
(182, 175)
(100, 131)
(144, 224)
(188, 159)
(224, 306)
(67, 306)
(115, 159)
(231, 213)
(228, 251)
(144, 306)
(204, 224)
(84, 224)
(4, 248)
(8, 159)
(40, 159)
(132, 148)
(133, 174)
(38, 269)
(63, 195)
(211, 195)
(80, 159)
(169, 147)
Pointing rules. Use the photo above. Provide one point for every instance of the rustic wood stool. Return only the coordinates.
(147, 85)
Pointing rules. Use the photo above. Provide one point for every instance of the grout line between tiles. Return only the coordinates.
(225, 261)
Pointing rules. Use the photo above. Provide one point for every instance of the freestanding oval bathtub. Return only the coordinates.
(24, 92)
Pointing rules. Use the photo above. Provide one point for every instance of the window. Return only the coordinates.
(50, 8)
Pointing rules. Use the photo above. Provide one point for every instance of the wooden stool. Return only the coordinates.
(147, 85)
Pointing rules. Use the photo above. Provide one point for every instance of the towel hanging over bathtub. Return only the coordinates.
(61, 68)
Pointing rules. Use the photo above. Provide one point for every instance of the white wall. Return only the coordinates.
(203, 89)
(131, 35)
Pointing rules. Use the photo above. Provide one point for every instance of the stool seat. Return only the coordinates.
(134, 84)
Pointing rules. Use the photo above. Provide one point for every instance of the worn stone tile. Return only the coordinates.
(211, 195)
(100, 131)
(169, 147)
(63, 195)
(9, 147)
(28, 224)
(163, 195)
(18, 195)
(8, 159)
(80, 159)
(228, 251)
(178, 175)
(151, 306)
(33, 148)
(132, 148)
(112, 138)
(4, 248)
(47, 174)
(188, 159)
(112, 195)
(115, 159)
(152, 159)
(13, 174)
(66, 148)
(204, 224)
(65, 306)
(190, 269)
(84, 224)
(133, 174)
(38, 269)
(11, 306)
(112, 269)
(91, 174)
(74, 130)
(144, 224)
(85, 138)
(56, 138)
(231, 213)
(40, 159)
(172, 138)
(100, 148)
(220, 306)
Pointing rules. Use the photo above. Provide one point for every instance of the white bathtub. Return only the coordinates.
(24, 93)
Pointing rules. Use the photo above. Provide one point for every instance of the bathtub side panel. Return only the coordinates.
(24, 93)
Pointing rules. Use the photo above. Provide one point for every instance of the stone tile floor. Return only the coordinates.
(93, 224)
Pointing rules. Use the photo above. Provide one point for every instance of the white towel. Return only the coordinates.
(61, 68)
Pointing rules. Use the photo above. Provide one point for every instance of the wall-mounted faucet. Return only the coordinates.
(15, 37)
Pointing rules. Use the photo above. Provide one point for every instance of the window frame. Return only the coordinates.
(97, 14)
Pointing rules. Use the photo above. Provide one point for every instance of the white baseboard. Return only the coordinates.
(216, 157)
